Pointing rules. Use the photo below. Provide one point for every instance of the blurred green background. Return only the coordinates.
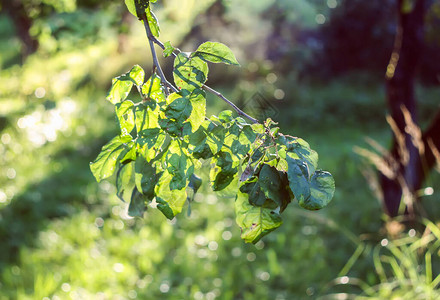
(317, 67)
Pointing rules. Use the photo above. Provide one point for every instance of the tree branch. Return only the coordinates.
(155, 59)
(239, 111)
(209, 89)
(153, 40)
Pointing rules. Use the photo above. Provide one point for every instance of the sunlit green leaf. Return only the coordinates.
(146, 177)
(215, 137)
(147, 116)
(179, 168)
(152, 89)
(125, 182)
(168, 49)
(254, 221)
(169, 202)
(216, 52)
(189, 73)
(125, 114)
(105, 164)
(129, 154)
(122, 85)
(151, 141)
(198, 113)
(258, 128)
(144, 8)
(119, 90)
(153, 22)
(297, 148)
(179, 110)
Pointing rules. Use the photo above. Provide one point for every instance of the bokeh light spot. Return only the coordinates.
(332, 3)
(40, 92)
(320, 19)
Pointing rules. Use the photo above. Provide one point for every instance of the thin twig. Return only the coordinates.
(239, 111)
(153, 40)
(161, 45)
(155, 60)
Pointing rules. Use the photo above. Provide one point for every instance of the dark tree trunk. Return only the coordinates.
(22, 22)
(400, 78)
(431, 141)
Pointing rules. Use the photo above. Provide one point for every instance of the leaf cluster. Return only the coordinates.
(165, 138)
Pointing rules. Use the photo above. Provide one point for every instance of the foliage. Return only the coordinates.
(165, 138)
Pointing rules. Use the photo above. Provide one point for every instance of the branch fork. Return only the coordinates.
(153, 40)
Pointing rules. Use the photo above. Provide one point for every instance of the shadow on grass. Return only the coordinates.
(62, 194)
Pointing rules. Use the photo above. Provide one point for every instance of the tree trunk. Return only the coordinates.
(400, 77)
(22, 22)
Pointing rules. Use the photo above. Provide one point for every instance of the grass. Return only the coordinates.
(406, 266)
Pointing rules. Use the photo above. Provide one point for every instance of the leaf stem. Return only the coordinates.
(239, 111)
(155, 59)
(153, 40)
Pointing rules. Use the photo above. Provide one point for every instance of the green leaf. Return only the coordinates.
(125, 114)
(168, 49)
(258, 128)
(153, 22)
(129, 154)
(195, 182)
(105, 164)
(297, 148)
(152, 89)
(189, 73)
(131, 7)
(137, 75)
(122, 85)
(322, 190)
(146, 177)
(152, 141)
(124, 181)
(216, 53)
(179, 168)
(252, 188)
(171, 127)
(119, 90)
(198, 113)
(146, 116)
(176, 114)
(198, 143)
(224, 171)
(255, 222)
(144, 8)
(184, 114)
(215, 137)
(270, 182)
(137, 205)
(247, 135)
(226, 116)
(169, 202)
(298, 175)
(180, 110)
